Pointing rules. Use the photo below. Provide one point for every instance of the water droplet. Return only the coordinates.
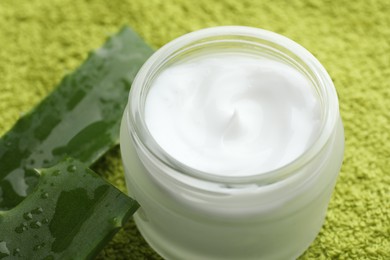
(27, 216)
(116, 222)
(16, 252)
(35, 224)
(4, 252)
(45, 221)
(20, 229)
(39, 246)
(44, 195)
(72, 168)
(37, 211)
(56, 172)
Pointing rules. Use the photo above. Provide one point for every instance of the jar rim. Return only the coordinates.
(145, 141)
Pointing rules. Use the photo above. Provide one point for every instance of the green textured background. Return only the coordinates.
(41, 40)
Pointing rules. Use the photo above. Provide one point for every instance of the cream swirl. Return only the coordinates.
(232, 114)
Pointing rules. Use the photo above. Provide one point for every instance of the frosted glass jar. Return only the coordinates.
(189, 214)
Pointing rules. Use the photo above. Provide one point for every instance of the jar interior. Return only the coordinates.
(242, 44)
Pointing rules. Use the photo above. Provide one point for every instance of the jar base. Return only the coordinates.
(160, 245)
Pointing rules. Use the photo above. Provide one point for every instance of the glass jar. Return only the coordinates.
(189, 214)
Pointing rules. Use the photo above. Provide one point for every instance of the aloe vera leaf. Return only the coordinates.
(80, 118)
(70, 214)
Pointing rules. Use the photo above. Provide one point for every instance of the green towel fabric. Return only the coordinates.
(41, 41)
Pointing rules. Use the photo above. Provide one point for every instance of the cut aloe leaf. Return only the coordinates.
(80, 118)
(70, 214)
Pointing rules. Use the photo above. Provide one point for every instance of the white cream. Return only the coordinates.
(232, 114)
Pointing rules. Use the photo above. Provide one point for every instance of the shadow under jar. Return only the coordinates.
(189, 213)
